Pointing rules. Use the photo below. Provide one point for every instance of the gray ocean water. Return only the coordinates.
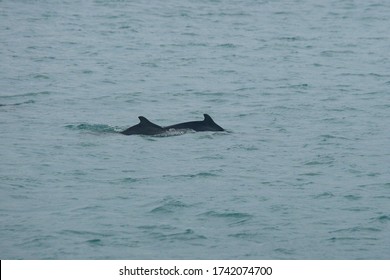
(302, 88)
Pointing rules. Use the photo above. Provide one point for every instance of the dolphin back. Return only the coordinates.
(145, 127)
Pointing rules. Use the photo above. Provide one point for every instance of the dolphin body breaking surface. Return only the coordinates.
(146, 127)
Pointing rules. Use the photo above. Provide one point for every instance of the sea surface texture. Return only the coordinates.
(302, 88)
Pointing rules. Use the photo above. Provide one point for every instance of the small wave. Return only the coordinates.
(95, 242)
(232, 217)
(99, 128)
(188, 234)
(356, 229)
(291, 38)
(246, 89)
(148, 228)
(332, 53)
(169, 206)
(323, 195)
(87, 209)
(357, 209)
(227, 45)
(314, 162)
(351, 238)
(28, 94)
(19, 103)
(84, 233)
(320, 160)
(253, 237)
(131, 180)
(40, 76)
(285, 251)
(167, 232)
(38, 241)
(328, 136)
(244, 147)
(200, 175)
(343, 238)
(382, 219)
(352, 197)
(311, 174)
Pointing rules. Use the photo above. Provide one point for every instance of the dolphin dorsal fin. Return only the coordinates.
(143, 119)
(207, 118)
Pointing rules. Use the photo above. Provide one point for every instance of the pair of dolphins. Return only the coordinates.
(146, 127)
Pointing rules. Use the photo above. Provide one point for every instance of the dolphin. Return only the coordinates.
(206, 125)
(146, 127)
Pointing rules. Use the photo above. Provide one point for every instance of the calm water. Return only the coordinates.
(303, 88)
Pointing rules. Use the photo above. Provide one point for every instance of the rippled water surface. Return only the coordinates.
(302, 88)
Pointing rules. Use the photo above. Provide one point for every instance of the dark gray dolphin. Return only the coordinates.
(146, 127)
(206, 125)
